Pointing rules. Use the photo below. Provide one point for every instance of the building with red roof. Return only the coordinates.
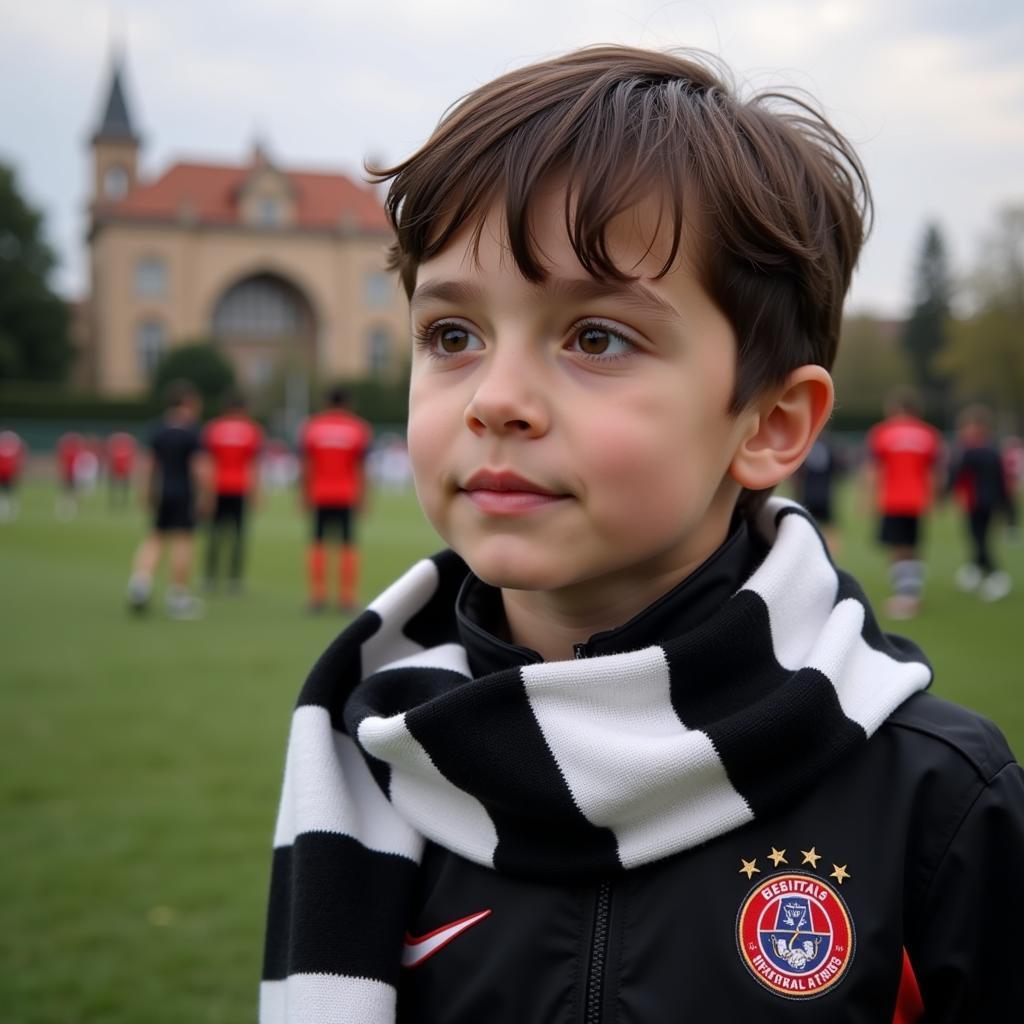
(283, 268)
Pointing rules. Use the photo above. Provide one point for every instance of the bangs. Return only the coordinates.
(614, 143)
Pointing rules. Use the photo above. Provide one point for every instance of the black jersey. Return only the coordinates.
(174, 447)
(978, 475)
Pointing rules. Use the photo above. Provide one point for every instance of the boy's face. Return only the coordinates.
(572, 434)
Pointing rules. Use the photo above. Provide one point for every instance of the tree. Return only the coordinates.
(870, 365)
(986, 354)
(34, 342)
(198, 361)
(926, 335)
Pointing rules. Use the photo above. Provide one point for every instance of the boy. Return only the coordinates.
(175, 490)
(12, 458)
(70, 450)
(902, 468)
(633, 750)
(334, 444)
(234, 442)
(121, 452)
(978, 478)
(815, 482)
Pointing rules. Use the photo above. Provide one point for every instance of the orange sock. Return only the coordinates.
(317, 565)
(349, 575)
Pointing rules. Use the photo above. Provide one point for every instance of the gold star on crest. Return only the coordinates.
(749, 867)
(839, 874)
(777, 857)
(811, 857)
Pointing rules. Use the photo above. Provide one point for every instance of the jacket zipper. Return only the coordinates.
(598, 955)
(599, 937)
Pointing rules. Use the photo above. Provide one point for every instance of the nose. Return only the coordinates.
(509, 398)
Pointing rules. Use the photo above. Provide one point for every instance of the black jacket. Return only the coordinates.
(739, 806)
(928, 822)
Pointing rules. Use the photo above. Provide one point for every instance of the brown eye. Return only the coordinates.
(594, 341)
(454, 340)
(598, 341)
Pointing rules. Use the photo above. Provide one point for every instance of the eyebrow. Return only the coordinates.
(632, 294)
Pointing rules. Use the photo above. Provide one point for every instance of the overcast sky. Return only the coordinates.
(930, 91)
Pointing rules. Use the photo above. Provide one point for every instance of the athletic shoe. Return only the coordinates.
(902, 606)
(996, 586)
(184, 607)
(968, 578)
(139, 591)
(316, 607)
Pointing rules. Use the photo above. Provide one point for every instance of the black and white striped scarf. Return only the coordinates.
(577, 768)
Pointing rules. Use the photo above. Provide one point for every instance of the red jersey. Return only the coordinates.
(233, 440)
(906, 451)
(121, 449)
(69, 447)
(12, 451)
(334, 444)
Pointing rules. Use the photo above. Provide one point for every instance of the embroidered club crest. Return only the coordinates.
(795, 935)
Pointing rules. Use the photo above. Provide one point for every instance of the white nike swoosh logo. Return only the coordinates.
(416, 950)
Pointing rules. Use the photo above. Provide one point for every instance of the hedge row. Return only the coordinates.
(26, 401)
(381, 403)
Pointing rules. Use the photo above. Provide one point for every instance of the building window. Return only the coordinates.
(150, 278)
(150, 343)
(258, 307)
(259, 371)
(379, 290)
(115, 182)
(269, 212)
(379, 351)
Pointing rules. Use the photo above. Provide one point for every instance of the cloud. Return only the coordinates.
(931, 92)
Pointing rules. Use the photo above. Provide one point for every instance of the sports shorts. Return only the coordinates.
(230, 508)
(821, 511)
(175, 514)
(900, 531)
(337, 519)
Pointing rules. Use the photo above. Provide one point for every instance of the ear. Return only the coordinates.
(783, 425)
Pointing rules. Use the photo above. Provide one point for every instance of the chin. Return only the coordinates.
(509, 570)
(510, 578)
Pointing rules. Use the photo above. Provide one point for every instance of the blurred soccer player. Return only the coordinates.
(333, 447)
(121, 452)
(12, 458)
(175, 489)
(977, 477)
(815, 481)
(70, 449)
(902, 466)
(234, 442)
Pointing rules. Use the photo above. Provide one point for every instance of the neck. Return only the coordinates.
(553, 622)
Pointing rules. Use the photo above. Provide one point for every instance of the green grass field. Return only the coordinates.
(140, 759)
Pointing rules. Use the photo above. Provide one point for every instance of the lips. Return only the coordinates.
(489, 480)
(507, 494)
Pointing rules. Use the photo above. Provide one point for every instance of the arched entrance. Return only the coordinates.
(267, 328)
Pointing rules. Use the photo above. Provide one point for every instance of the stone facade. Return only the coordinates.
(285, 269)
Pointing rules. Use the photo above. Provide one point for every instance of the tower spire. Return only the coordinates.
(116, 123)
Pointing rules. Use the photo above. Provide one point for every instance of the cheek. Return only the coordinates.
(426, 442)
(639, 446)
(651, 471)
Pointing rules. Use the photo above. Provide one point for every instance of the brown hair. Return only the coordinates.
(776, 196)
(178, 392)
(977, 415)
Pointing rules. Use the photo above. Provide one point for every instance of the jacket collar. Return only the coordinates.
(481, 622)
